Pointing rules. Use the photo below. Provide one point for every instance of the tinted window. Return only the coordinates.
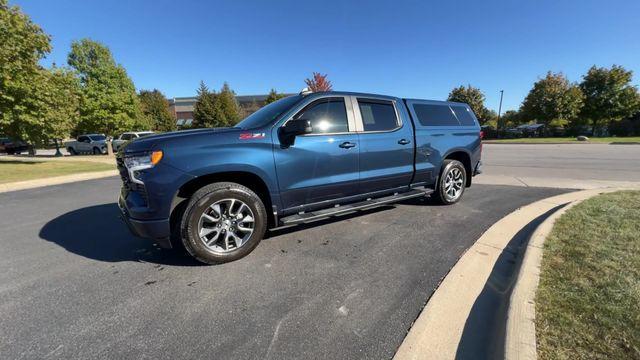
(435, 115)
(326, 116)
(98, 137)
(266, 114)
(377, 115)
(83, 139)
(125, 137)
(464, 115)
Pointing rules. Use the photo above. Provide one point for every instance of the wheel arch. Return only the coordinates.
(464, 157)
(249, 179)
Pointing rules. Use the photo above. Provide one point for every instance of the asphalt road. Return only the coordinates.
(563, 161)
(75, 284)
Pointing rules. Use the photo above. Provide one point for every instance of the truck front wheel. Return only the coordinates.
(451, 183)
(223, 222)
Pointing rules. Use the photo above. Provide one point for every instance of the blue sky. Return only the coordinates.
(417, 49)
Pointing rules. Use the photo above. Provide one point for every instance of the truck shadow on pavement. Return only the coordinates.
(97, 232)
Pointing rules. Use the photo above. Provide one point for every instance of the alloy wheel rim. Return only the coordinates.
(453, 184)
(226, 225)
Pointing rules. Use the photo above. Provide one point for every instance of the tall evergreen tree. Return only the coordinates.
(226, 105)
(273, 96)
(609, 95)
(109, 103)
(204, 111)
(156, 107)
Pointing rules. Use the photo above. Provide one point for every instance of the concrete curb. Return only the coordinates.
(56, 180)
(521, 330)
(437, 332)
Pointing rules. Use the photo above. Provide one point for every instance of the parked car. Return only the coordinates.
(90, 143)
(12, 147)
(300, 159)
(128, 136)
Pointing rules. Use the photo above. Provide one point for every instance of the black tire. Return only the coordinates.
(96, 151)
(72, 151)
(200, 201)
(450, 166)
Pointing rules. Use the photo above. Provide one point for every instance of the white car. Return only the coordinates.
(128, 136)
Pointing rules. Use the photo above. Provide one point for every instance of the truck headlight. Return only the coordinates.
(142, 162)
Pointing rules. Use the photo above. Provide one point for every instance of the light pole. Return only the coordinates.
(500, 108)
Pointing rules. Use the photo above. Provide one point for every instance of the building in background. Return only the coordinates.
(182, 107)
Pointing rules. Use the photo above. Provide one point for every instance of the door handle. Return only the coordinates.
(404, 142)
(347, 145)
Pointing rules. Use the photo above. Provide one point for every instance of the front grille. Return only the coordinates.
(129, 185)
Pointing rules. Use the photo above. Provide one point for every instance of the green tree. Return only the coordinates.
(109, 103)
(475, 99)
(156, 107)
(226, 106)
(509, 119)
(553, 100)
(22, 45)
(204, 110)
(273, 96)
(609, 95)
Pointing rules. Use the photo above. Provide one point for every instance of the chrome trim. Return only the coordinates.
(360, 123)
(350, 116)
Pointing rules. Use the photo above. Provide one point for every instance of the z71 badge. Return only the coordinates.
(247, 136)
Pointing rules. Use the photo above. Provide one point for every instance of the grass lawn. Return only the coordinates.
(11, 171)
(588, 300)
(605, 140)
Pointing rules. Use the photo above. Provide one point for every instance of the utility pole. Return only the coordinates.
(500, 108)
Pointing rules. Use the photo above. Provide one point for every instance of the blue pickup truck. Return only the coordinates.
(300, 159)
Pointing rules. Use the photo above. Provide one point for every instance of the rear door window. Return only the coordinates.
(435, 115)
(464, 115)
(125, 137)
(377, 115)
(326, 116)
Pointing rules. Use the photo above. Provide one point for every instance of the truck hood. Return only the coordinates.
(151, 142)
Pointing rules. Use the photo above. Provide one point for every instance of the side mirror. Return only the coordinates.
(294, 128)
(297, 127)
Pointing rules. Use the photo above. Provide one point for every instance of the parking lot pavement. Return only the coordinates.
(577, 166)
(75, 284)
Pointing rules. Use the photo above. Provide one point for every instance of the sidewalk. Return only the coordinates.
(91, 158)
(55, 180)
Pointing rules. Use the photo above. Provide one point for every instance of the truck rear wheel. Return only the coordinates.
(223, 222)
(451, 183)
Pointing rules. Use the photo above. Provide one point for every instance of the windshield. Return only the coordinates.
(268, 113)
(98, 137)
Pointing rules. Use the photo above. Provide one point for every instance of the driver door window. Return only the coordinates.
(327, 116)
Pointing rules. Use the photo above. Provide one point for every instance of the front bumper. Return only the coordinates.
(157, 230)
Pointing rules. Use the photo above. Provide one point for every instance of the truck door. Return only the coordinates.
(82, 144)
(323, 165)
(386, 144)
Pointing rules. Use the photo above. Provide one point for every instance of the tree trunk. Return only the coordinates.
(58, 153)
